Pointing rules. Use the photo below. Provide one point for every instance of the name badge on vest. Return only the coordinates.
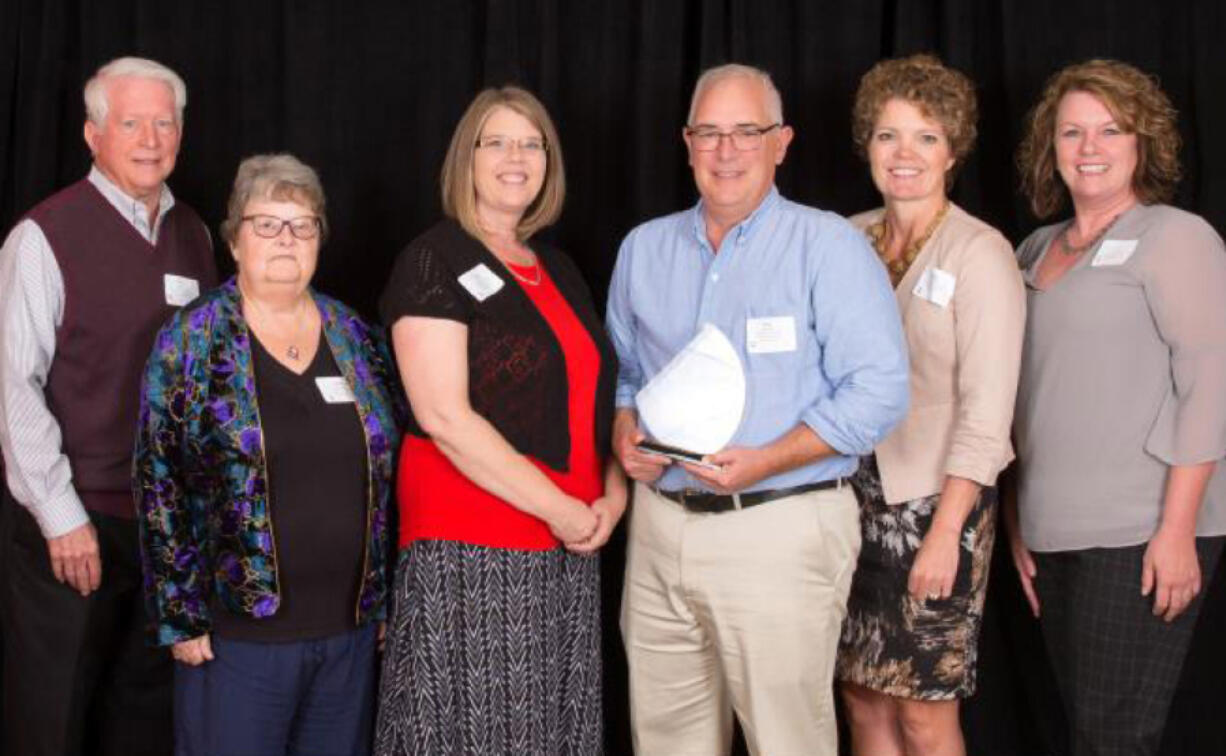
(481, 282)
(335, 389)
(179, 289)
(767, 335)
(936, 286)
(1114, 252)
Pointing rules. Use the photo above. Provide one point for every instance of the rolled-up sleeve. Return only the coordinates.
(619, 321)
(863, 352)
(1185, 288)
(989, 321)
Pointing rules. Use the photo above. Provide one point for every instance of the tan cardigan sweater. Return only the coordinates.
(965, 357)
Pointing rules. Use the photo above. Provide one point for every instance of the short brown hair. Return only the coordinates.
(280, 177)
(459, 192)
(1139, 107)
(941, 93)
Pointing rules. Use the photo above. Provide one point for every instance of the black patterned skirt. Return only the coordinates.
(491, 651)
(891, 642)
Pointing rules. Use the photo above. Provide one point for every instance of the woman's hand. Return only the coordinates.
(936, 565)
(1022, 560)
(573, 521)
(608, 510)
(193, 652)
(1170, 566)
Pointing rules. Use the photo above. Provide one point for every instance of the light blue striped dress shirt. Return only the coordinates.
(847, 377)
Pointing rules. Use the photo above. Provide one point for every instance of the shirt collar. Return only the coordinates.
(742, 231)
(132, 210)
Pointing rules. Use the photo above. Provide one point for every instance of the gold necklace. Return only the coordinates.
(505, 252)
(898, 267)
(535, 281)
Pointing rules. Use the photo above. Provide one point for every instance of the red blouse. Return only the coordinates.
(438, 502)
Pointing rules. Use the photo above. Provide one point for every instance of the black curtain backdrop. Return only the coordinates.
(368, 92)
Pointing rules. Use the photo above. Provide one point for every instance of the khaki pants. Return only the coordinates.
(737, 611)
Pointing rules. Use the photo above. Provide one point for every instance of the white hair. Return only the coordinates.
(96, 103)
(713, 76)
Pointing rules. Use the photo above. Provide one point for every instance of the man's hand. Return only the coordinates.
(76, 560)
(645, 468)
(739, 468)
(193, 652)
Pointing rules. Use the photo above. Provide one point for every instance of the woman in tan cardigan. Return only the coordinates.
(929, 507)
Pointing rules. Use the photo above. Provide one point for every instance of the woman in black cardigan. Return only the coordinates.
(506, 487)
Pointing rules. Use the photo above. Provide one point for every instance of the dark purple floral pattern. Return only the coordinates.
(199, 473)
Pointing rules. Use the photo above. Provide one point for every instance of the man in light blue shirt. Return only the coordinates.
(737, 577)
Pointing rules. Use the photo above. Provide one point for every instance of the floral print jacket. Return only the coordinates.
(200, 478)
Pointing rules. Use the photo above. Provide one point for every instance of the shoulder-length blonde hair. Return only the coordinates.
(459, 193)
(1139, 107)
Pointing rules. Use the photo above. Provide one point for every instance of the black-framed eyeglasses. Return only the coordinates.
(744, 138)
(269, 226)
(504, 144)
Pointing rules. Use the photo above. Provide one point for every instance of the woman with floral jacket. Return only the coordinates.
(263, 471)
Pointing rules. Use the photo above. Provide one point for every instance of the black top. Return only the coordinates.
(516, 368)
(316, 456)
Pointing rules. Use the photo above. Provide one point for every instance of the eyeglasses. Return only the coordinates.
(269, 226)
(503, 145)
(744, 138)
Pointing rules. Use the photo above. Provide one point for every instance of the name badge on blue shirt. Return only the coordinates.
(768, 335)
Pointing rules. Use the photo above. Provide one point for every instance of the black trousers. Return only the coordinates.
(1116, 665)
(80, 678)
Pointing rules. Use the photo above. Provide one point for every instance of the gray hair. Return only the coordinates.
(96, 104)
(280, 177)
(713, 76)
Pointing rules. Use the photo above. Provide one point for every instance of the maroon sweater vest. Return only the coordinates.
(114, 304)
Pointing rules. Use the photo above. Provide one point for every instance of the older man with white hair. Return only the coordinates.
(737, 573)
(88, 276)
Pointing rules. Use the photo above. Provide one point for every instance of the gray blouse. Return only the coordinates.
(1123, 374)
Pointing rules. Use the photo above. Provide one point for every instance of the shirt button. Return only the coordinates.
(714, 276)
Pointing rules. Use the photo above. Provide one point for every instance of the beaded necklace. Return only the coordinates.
(898, 267)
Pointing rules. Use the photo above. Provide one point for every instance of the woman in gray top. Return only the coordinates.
(1121, 407)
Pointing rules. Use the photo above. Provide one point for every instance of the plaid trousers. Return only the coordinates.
(1116, 664)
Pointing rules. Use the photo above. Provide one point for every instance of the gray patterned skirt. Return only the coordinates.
(891, 642)
(491, 651)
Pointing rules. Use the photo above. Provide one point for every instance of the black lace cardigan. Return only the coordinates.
(516, 369)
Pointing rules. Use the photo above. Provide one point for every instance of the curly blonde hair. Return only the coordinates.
(940, 93)
(1139, 107)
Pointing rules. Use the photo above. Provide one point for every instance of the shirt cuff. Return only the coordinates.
(625, 397)
(60, 515)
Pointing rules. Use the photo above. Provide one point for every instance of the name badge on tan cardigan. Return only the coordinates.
(936, 286)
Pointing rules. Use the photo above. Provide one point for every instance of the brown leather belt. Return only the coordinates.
(705, 502)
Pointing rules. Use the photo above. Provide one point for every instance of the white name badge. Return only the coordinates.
(1114, 252)
(335, 389)
(179, 289)
(767, 335)
(481, 282)
(936, 286)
